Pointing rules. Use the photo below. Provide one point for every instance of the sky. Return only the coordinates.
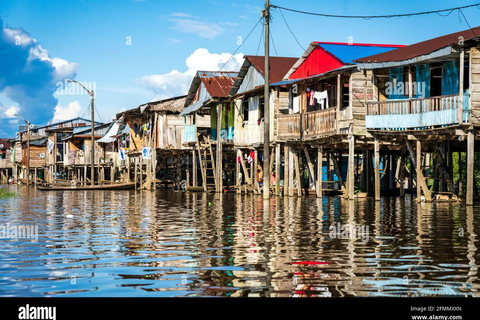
(135, 51)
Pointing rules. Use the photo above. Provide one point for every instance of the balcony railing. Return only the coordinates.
(322, 122)
(309, 125)
(289, 126)
(418, 114)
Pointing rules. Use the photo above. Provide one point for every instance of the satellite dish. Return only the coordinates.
(32, 126)
(1, 146)
(41, 155)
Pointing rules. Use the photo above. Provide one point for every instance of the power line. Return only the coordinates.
(261, 38)
(273, 43)
(468, 24)
(374, 16)
(241, 43)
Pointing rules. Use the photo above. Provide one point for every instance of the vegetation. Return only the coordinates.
(6, 194)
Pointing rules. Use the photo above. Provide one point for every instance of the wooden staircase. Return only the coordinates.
(207, 164)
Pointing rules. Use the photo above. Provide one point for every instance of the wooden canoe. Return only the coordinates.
(115, 186)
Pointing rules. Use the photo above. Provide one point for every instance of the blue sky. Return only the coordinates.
(136, 51)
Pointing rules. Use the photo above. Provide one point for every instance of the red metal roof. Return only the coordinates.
(219, 83)
(279, 66)
(6, 144)
(423, 48)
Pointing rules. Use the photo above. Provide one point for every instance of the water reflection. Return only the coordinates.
(132, 243)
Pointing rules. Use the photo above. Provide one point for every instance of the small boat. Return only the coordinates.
(113, 186)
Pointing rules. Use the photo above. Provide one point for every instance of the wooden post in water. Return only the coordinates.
(402, 175)
(351, 167)
(286, 171)
(194, 167)
(219, 155)
(377, 169)
(237, 170)
(291, 173)
(318, 187)
(277, 169)
(297, 173)
(470, 166)
(460, 173)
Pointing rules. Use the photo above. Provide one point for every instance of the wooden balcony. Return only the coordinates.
(289, 126)
(307, 126)
(418, 114)
(320, 123)
(5, 163)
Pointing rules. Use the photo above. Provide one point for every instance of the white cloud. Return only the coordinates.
(176, 83)
(8, 112)
(203, 29)
(72, 110)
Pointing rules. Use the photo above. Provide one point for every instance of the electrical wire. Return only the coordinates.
(374, 16)
(468, 24)
(273, 43)
(261, 38)
(242, 42)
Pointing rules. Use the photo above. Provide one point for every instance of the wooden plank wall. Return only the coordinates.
(475, 85)
(357, 87)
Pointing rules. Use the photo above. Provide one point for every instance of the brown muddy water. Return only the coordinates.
(166, 243)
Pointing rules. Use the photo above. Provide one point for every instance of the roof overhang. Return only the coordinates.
(441, 53)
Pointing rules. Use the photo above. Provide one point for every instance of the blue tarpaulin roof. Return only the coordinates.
(347, 53)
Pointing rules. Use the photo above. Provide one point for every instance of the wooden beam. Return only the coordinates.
(291, 173)
(202, 169)
(351, 167)
(445, 171)
(338, 171)
(297, 173)
(194, 168)
(219, 155)
(245, 171)
(286, 170)
(376, 156)
(470, 166)
(416, 159)
(318, 187)
(277, 166)
(311, 170)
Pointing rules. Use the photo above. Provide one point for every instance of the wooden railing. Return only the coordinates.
(289, 126)
(418, 113)
(320, 122)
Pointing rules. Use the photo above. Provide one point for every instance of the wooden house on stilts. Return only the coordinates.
(153, 149)
(326, 119)
(427, 103)
(209, 130)
(248, 98)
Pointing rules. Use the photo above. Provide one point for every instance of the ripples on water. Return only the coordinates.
(165, 243)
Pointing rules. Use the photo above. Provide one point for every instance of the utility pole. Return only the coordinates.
(28, 148)
(266, 109)
(92, 95)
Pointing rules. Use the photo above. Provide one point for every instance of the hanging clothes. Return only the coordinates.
(322, 99)
(135, 129)
(312, 98)
(251, 157)
(296, 104)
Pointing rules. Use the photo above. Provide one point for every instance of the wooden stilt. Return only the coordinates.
(291, 173)
(286, 170)
(219, 154)
(377, 169)
(297, 173)
(238, 182)
(277, 169)
(460, 173)
(351, 167)
(470, 166)
(318, 187)
(248, 180)
(338, 172)
(255, 171)
(421, 184)
(194, 168)
(446, 174)
(311, 170)
(402, 175)
(187, 173)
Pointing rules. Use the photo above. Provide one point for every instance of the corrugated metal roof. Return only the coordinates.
(343, 52)
(279, 66)
(347, 53)
(216, 83)
(422, 48)
(192, 108)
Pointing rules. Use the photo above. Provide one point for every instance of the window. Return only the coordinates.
(381, 81)
(406, 85)
(436, 80)
(245, 109)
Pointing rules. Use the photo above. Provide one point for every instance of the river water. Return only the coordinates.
(166, 243)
